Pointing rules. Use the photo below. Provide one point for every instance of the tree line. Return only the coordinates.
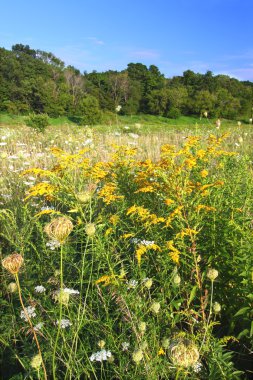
(37, 81)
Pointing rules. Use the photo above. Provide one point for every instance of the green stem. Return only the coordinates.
(209, 316)
(31, 325)
(60, 313)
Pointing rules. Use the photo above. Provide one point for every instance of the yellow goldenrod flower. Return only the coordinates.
(204, 173)
(161, 351)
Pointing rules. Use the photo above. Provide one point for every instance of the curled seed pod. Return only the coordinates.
(59, 229)
(184, 353)
(13, 263)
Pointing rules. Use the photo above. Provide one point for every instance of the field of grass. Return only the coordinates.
(126, 250)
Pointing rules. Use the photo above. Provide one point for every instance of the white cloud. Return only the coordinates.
(96, 41)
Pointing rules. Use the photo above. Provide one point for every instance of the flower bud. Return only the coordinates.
(142, 327)
(176, 279)
(216, 307)
(101, 344)
(155, 307)
(148, 283)
(12, 263)
(137, 356)
(165, 343)
(84, 197)
(90, 229)
(212, 274)
(36, 361)
(12, 287)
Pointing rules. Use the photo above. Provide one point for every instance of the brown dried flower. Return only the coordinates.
(184, 353)
(59, 229)
(12, 263)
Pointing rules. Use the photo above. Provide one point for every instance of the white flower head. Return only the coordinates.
(118, 108)
(132, 284)
(64, 323)
(125, 346)
(100, 356)
(70, 291)
(30, 311)
(53, 244)
(40, 289)
(39, 326)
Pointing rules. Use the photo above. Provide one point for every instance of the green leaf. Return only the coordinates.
(242, 311)
(193, 294)
(251, 330)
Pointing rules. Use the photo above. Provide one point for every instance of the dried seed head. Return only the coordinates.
(12, 287)
(59, 229)
(90, 229)
(12, 263)
(212, 274)
(184, 353)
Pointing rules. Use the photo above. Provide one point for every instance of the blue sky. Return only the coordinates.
(175, 35)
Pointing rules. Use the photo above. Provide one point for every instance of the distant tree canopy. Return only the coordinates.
(37, 81)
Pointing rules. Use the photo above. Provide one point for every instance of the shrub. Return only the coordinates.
(38, 121)
(174, 113)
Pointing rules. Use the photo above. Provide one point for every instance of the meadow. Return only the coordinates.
(126, 249)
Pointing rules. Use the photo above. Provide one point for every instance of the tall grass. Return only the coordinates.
(137, 253)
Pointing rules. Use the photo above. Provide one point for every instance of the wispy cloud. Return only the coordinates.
(144, 54)
(95, 40)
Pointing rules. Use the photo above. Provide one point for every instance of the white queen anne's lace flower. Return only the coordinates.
(64, 323)
(125, 346)
(53, 244)
(39, 289)
(99, 356)
(39, 326)
(70, 291)
(30, 311)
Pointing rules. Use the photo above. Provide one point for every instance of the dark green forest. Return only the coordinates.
(37, 81)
